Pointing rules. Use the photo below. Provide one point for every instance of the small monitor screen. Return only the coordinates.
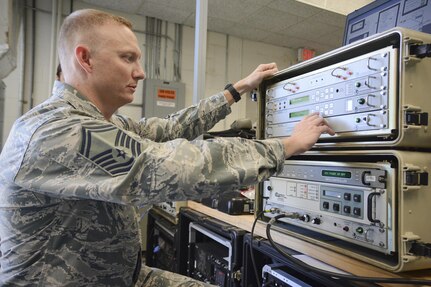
(382, 15)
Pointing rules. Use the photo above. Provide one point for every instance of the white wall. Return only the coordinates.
(228, 60)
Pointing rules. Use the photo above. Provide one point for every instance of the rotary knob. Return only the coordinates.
(305, 218)
(361, 101)
(316, 221)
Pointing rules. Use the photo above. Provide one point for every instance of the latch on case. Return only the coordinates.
(415, 178)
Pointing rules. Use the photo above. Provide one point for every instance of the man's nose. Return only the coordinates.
(139, 73)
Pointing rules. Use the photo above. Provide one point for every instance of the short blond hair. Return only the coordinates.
(81, 22)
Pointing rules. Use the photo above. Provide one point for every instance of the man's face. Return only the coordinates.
(116, 65)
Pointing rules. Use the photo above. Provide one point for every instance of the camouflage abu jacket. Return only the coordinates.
(70, 180)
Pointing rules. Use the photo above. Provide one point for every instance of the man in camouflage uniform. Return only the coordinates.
(73, 171)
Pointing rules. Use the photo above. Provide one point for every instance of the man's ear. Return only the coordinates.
(82, 54)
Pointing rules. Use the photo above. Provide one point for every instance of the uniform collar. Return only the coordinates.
(75, 99)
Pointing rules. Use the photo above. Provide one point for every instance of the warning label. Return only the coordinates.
(166, 94)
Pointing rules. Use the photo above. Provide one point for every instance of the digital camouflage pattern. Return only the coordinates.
(71, 180)
(160, 278)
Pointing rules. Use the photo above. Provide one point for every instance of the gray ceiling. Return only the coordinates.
(287, 23)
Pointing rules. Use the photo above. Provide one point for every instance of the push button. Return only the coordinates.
(357, 211)
(347, 196)
(336, 207)
(347, 209)
(357, 198)
(326, 205)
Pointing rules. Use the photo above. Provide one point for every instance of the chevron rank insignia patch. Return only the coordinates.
(110, 148)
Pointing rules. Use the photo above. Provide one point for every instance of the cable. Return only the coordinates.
(335, 275)
(253, 262)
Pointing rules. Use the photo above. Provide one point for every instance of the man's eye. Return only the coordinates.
(128, 58)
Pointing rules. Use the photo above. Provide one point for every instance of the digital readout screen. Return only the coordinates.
(299, 100)
(331, 193)
(299, 114)
(336, 173)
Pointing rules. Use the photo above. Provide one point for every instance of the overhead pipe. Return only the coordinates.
(158, 46)
(22, 62)
(165, 53)
(33, 55)
(177, 52)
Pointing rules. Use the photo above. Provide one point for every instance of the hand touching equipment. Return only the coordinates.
(305, 134)
(253, 80)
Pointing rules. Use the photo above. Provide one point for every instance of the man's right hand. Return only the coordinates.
(305, 134)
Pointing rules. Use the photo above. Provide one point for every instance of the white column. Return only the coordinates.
(200, 50)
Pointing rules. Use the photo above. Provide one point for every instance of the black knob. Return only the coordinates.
(316, 220)
(305, 218)
(361, 101)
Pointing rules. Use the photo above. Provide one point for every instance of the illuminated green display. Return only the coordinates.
(299, 114)
(299, 100)
(336, 173)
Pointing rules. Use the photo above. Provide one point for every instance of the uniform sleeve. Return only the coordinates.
(188, 123)
(97, 160)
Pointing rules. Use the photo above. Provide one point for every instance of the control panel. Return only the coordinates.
(372, 205)
(353, 95)
(349, 201)
(370, 92)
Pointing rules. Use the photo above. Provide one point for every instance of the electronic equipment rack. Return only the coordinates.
(364, 192)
